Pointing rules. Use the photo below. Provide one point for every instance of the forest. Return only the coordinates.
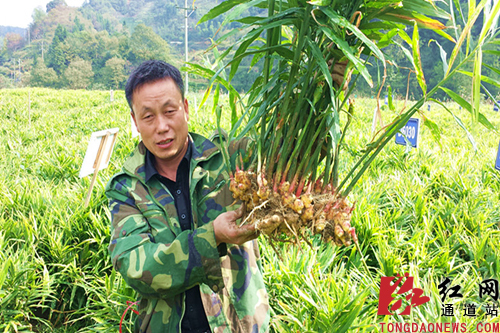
(96, 46)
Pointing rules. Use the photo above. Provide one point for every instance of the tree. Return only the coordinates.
(56, 57)
(78, 25)
(13, 42)
(146, 45)
(55, 3)
(41, 76)
(114, 72)
(79, 74)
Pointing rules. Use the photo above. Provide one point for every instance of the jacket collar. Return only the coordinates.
(203, 149)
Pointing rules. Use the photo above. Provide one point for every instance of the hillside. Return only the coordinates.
(99, 43)
(95, 46)
(166, 18)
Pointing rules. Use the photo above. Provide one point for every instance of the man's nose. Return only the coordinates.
(163, 124)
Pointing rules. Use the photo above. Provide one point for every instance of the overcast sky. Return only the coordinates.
(17, 13)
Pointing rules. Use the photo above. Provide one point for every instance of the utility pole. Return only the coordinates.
(186, 16)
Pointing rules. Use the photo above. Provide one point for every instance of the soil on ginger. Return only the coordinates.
(285, 217)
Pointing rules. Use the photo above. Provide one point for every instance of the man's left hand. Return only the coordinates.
(227, 231)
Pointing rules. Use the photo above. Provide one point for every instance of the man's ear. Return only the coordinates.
(135, 121)
(186, 108)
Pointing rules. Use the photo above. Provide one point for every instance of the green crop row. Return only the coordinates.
(431, 212)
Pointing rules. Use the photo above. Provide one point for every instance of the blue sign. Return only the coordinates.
(428, 107)
(386, 100)
(497, 164)
(495, 106)
(410, 130)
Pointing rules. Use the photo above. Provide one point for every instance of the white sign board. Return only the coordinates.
(98, 147)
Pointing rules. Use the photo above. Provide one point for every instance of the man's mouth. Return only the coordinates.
(165, 142)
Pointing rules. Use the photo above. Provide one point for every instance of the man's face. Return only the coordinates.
(161, 116)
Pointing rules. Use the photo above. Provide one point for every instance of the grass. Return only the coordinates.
(431, 212)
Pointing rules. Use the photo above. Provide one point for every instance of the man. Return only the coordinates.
(174, 235)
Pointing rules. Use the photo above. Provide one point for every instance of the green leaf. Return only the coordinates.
(220, 9)
(209, 74)
(389, 98)
(494, 69)
(316, 52)
(405, 37)
(470, 23)
(443, 54)
(4, 270)
(457, 98)
(232, 104)
(491, 23)
(347, 51)
(493, 52)
(417, 60)
(476, 84)
(387, 38)
(427, 8)
(343, 22)
(407, 53)
(484, 78)
(434, 128)
(461, 124)
(346, 317)
(320, 2)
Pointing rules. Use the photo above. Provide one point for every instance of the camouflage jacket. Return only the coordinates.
(160, 261)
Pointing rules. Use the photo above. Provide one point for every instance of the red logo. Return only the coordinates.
(387, 295)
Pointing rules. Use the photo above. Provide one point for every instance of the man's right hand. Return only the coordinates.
(227, 231)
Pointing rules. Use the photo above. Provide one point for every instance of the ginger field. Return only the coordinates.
(432, 212)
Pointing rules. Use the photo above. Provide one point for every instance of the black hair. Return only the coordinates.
(150, 71)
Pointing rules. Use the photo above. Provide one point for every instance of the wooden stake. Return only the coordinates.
(97, 165)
